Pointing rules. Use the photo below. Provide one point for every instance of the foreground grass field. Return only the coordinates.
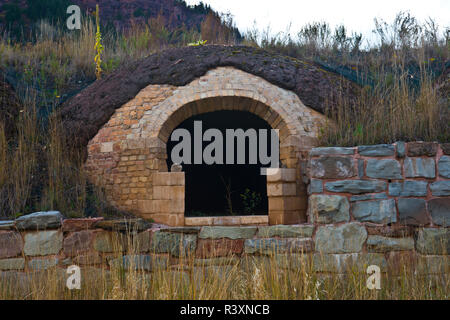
(252, 279)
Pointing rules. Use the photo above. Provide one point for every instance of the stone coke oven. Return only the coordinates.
(125, 120)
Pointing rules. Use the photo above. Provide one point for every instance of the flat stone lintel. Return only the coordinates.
(227, 221)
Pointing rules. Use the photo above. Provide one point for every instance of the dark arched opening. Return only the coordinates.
(224, 189)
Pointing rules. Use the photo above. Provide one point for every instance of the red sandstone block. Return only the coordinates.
(78, 242)
(11, 244)
(72, 225)
(398, 261)
(394, 231)
(207, 248)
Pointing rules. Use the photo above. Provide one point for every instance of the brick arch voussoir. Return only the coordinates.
(275, 118)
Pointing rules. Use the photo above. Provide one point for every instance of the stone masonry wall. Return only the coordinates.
(401, 184)
(45, 240)
(386, 205)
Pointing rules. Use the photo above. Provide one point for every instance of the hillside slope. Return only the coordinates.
(122, 14)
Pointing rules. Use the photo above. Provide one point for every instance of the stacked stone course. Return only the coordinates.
(331, 248)
(397, 184)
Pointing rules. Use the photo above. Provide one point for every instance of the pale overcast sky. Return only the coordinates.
(356, 15)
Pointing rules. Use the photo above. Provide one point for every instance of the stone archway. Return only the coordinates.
(130, 150)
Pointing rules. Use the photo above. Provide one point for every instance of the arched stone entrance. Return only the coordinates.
(219, 182)
(128, 155)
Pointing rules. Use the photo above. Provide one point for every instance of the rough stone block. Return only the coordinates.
(177, 244)
(417, 149)
(440, 188)
(43, 243)
(328, 151)
(332, 167)
(393, 231)
(90, 258)
(408, 189)
(419, 168)
(11, 244)
(440, 211)
(42, 264)
(272, 246)
(73, 225)
(343, 263)
(380, 150)
(78, 242)
(328, 209)
(444, 167)
(412, 212)
(315, 186)
(364, 197)
(361, 168)
(432, 264)
(446, 148)
(39, 221)
(141, 242)
(7, 225)
(221, 261)
(401, 149)
(384, 168)
(227, 232)
(381, 211)
(123, 225)
(433, 241)
(346, 238)
(385, 244)
(109, 242)
(356, 186)
(12, 264)
(398, 261)
(209, 248)
(285, 231)
(140, 262)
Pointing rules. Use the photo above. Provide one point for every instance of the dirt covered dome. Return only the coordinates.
(85, 113)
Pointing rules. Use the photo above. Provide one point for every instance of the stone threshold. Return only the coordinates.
(227, 221)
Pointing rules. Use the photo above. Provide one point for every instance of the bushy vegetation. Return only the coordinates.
(404, 92)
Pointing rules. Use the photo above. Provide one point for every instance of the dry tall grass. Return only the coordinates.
(388, 113)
